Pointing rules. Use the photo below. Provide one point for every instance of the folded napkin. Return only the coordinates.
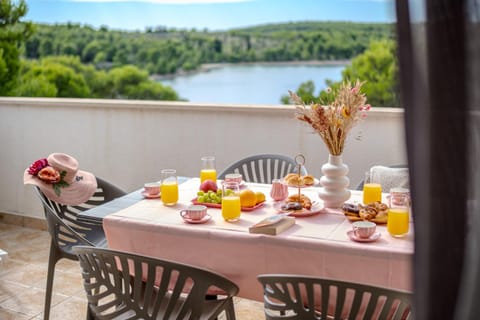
(390, 177)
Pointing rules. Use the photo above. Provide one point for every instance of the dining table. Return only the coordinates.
(316, 245)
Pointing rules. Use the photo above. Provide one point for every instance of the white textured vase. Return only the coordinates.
(334, 191)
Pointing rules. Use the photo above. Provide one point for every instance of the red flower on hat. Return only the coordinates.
(37, 166)
(49, 175)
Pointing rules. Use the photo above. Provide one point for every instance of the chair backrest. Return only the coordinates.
(63, 226)
(394, 176)
(263, 168)
(131, 286)
(302, 297)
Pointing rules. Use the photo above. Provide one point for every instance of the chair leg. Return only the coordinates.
(230, 310)
(90, 315)
(52, 261)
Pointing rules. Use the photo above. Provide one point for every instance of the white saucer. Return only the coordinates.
(148, 196)
(203, 220)
(372, 238)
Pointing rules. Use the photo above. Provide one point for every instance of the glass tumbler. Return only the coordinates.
(208, 171)
(169, 187)
(372, 192)
(398, 216)
(231, 201)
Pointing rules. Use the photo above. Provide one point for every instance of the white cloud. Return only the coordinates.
(168, 1)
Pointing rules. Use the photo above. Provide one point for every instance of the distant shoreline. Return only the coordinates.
(206, 67)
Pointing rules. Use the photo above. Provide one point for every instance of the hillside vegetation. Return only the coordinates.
(73, 60)
(164, 51)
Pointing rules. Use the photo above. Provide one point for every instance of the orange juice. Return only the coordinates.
(169, 194)
(397, 223)
(372, 192)
(208, 174)
(231, 207)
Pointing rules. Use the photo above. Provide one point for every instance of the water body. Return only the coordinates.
(251, 83)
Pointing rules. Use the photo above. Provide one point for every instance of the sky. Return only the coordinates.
(205, 14)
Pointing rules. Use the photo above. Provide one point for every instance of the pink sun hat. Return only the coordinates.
(60, 180)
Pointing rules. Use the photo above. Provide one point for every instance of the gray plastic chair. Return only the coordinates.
(66, 231)
(263, 168)
(301, 297)
(122, 285)
(397, 166)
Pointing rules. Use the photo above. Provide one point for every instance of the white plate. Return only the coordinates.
(316, 209)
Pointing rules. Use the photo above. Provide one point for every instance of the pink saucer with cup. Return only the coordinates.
(364, 229)
(194, 212)
(151, 190)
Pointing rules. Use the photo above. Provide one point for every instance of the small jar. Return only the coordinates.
(279, 190)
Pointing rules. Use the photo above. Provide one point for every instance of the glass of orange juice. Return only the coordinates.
(231, 201)
(398, 216)
(372, 191)
(208, 171)
(169, 187)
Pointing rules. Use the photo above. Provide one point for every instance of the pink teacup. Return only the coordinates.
(151, 188)
(364, 229)
(194, 212)
(233, 177)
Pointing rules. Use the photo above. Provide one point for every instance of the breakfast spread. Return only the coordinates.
(296, 180)
(375, 212)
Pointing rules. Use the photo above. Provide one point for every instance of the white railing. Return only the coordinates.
(128, 142)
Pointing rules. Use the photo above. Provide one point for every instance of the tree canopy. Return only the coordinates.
(166, 51)
(13, 33)
(377, 66)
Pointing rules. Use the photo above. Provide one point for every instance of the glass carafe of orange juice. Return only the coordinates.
(372, 191)
(208, 171)
(398, 215)
(169, 187)
(231, 201)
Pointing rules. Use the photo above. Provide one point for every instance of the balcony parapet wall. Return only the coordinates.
(128, 142)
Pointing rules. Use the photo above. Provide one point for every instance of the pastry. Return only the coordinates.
(303, 200)
(351, 211)
(292, 179)
(308, 180)
(375, 212)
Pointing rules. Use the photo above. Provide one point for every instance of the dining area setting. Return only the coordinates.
(143, 209)
(183, 247)
(266, 235)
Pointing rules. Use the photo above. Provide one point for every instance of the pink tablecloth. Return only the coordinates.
(317, 245)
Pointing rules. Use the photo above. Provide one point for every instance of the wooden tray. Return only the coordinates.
(377, 221)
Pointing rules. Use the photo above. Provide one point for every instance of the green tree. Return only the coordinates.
(377, 66)
(129, 82)
(149, 90)
(13, 34)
